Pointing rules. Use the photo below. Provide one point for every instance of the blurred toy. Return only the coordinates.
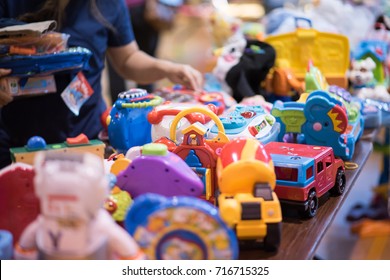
(377, 50)
(329, 51)
(180, 94)
(159, 171)
(371, 228)
(117, 204)
(247, 202)
(315, 80)
(31, 38)
(331, 16)
(118, 163)
(383, 107)
(304, 173)
(282, 84)
(19, 205)
(73, 59)
(129, 115)
(72, 223)
(253, 30)
(377, 208)
(361, 73)
(364, 85)
(180, 228)
(213, 84)
(372, 113)
(197, 151)
(162, 116)
(223, 28)
(245, 77)
(80, 143)
(249, 121)
(257, 100)
(6, 247)
(241, 63)
(321, 121)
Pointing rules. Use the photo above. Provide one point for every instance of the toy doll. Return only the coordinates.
(72, 223)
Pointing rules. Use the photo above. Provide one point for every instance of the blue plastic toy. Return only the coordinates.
(180, 228)
(322, 121)
(6, 245)
(249, 121)
(73, 59)
(127, 123)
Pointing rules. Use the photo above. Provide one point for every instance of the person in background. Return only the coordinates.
(147, 37)
(104, 28)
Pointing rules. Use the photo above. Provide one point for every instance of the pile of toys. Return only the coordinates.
(195, 174)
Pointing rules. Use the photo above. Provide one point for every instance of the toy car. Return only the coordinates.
(304, 173)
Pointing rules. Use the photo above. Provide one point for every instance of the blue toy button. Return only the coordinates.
(36, 143)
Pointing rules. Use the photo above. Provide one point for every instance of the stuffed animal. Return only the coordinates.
(364, 86)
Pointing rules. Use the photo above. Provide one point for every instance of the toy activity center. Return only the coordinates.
(256, 165)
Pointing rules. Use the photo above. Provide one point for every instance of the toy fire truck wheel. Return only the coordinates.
(312, 205)
(272, 239)
(339, 185)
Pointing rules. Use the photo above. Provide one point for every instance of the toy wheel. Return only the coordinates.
(272, 239)
(312, 206)
(339, 185)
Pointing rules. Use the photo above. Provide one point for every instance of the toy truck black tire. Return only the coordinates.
(312, 205)
(272, 239)
(339, 185)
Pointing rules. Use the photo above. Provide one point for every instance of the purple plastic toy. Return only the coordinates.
(159, 171)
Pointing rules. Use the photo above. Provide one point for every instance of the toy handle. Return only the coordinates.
(298, 19)
(214, 117)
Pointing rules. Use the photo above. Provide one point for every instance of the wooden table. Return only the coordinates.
(300, 237)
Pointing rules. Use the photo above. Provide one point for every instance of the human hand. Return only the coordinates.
(5, 97)
(185, 75)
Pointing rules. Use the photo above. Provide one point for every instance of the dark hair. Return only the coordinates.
(56, 10)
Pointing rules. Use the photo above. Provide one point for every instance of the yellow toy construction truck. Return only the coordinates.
(247, 201)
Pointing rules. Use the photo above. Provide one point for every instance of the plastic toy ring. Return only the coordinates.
(351, 165)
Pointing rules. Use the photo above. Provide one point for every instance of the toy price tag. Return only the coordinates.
(77, 93)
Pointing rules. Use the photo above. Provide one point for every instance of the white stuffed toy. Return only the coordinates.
(363, 83)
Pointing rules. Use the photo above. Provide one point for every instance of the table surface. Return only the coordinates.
(300, 237)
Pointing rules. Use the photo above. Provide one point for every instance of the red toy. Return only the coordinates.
(18, 203)
(304, 173)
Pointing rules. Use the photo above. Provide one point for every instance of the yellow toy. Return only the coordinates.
(328, 51)
(247, 201)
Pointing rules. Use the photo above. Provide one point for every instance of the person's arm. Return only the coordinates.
(133, 64)
(5, 97)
